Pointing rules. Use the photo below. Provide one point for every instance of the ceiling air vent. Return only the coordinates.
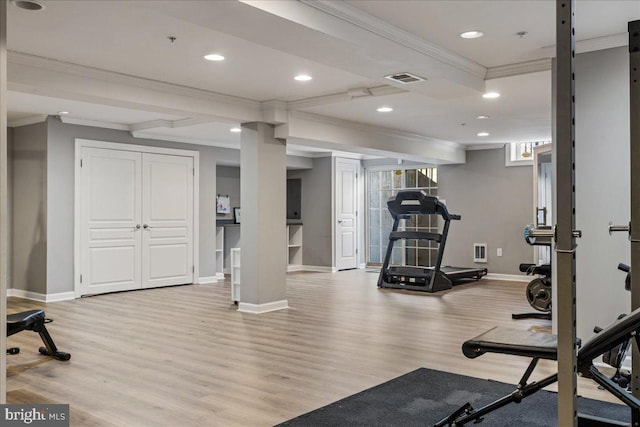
(405, 78)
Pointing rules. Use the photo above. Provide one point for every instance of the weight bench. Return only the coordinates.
(538, 346)
(34, 320)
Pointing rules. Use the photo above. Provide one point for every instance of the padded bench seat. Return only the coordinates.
(25, 320)
(34, 320)
(512, 341)
(537, 345)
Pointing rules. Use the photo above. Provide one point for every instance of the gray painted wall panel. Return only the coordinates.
(228, 184)
(28, 208)
(316, 212)
(10, 205)
(496, 202)
(602, 185)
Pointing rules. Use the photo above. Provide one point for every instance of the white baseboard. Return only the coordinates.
(363, 265)
(220, 276)
(319, 268)
(246, 307)
(510, 277)
(208, 280)
(36, 296)
(297, 267)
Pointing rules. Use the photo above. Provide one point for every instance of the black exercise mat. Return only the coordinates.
(424, 396)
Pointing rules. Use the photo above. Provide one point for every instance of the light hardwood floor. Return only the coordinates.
(183, 356)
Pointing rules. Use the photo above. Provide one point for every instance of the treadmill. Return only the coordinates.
(421, 278)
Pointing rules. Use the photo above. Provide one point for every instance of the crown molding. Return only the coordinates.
(163, 123)
(477, 147)
(38, 118)
(347, 96)
(194, 141)
(357, 17)
(127, 79)
(590, 45)
(93, 123)
(307, 154)
(527, 67)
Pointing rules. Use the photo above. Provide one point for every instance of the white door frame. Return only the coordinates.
(359, 208)
(79, 145)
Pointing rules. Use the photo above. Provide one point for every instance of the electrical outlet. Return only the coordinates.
(499, 252)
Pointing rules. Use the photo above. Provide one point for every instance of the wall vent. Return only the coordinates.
(479, 252)
(405, 78)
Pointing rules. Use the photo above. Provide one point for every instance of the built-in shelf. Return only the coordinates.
(220, 252)
(235, 275)
(294, 258)
(294, 249)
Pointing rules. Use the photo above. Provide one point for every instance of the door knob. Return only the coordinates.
(146, 226)
(137, 227)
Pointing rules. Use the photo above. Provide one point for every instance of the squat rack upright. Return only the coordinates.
(564, 232)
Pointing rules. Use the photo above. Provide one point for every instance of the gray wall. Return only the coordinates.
(602, 185)
(316, 212)
(228, 184)
(496, 202)
(60, 188)
(28, 206)
(10, 204)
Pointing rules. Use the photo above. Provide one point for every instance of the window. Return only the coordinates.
(382, 185)
(521, 153)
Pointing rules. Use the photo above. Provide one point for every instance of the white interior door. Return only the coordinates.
(167, 218)
(136, 220)
(110, 254)
(346, 204)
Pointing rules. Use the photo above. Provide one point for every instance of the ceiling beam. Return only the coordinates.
(335, 134)
(45, 77)
(48, 77)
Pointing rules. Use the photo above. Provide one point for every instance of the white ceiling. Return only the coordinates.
(343, 45)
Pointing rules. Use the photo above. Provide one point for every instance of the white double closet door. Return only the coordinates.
(136, 220)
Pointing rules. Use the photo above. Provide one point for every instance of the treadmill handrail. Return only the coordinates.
(417, 202)
(415, 235)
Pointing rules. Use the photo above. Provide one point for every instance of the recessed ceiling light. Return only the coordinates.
(63, 113)
(303, 77)
(28, 5)
(483, 134)
(235, 130)
(384, 110)
(482, 117)
(214, 57)
(491, 95)
(471, 34)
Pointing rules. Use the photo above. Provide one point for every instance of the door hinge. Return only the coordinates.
(356, 251)
(81, 278)
(193, 268)
(80, 162)
(193, 171)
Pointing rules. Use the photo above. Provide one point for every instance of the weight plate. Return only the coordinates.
(539, 295)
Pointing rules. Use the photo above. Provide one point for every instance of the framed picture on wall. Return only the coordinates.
(222, 204)
(236, 215)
